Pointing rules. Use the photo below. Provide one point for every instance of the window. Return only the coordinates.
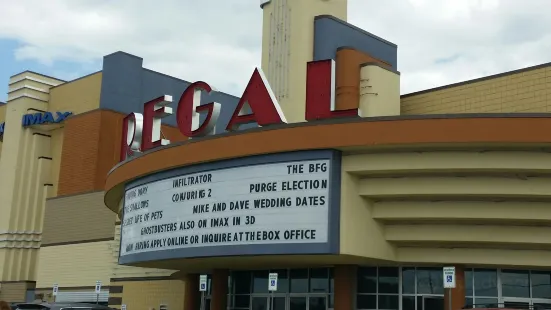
(389, 280)
(319, 280)
(408, 281)
(541, 284)
(407, 288)
(240, 289)
(367, 280)
(282, 280)
(429, 281)
(260, 281)
(485, 282)
(299, 280)
(378, 288)
(481, 289)
(506, 287)
(515, 283)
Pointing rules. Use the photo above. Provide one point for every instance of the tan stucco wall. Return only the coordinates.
(151, 294)
(448, 207)
(525, 91)
(14, 291)
(78, 96)
(77, 218)
(74, 265)
(379, 91)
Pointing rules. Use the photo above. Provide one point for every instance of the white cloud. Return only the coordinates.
(219, 41)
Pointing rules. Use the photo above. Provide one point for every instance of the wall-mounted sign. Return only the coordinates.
(449, 277)
(98, 287)
(258, 104)
(272, 281)
(43, 118)
(218, 212)
(203, 283)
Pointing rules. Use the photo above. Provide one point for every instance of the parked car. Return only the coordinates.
(60, 306)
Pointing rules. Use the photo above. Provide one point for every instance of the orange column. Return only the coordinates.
(192, 297)
(347, 75)
(344, 277)
(219, 294)
(457, 293)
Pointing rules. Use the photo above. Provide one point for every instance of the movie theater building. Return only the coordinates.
(355, 203)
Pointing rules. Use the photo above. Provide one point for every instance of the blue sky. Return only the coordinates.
(10, 65)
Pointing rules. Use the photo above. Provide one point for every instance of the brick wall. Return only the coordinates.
(91, 147)
(522, 91)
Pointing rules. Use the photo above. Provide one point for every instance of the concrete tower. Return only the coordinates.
(287, 45)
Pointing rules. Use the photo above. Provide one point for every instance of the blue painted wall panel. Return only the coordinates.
(331, 33)
(126, 86)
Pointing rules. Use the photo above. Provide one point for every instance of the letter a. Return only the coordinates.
(260, 100)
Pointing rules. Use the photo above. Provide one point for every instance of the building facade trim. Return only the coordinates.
(473, 81)
(76, 242)
(341, 135)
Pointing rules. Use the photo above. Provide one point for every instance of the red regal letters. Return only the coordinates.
(141, 133)
(260, 99)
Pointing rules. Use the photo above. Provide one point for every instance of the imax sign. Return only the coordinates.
(43, 118)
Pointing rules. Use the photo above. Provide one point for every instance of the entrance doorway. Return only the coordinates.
(433, 303)
(266, 303)
(288, 302)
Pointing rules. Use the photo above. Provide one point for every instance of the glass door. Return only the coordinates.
(278, 303)
(268, 302)
(317, 302)
(260, 302)
(433, 303)
(298, 303)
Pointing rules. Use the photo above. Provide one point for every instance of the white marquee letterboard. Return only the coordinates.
(264, 204)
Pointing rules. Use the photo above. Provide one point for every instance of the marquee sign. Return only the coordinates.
(142, 132)
(235, 210)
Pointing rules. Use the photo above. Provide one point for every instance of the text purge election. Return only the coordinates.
(275, 203)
